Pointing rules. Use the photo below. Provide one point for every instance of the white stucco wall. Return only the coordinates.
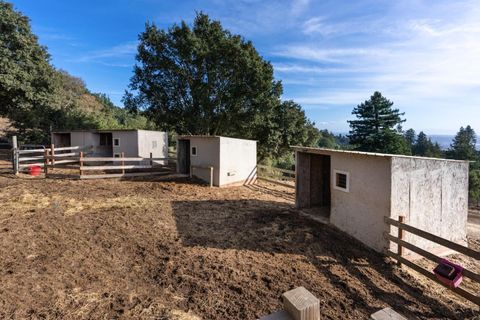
(146, 139)
(238, 161)
(361, 211)
(84, 138)
(128, 143)
(433, 195)
(208, 154)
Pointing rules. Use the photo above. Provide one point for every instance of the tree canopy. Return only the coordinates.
(375, 129)
(36, 97)
(202, 79)
(463, 146)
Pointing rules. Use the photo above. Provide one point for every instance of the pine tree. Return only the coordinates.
(425, 147)
(463, 146)
(374, 129)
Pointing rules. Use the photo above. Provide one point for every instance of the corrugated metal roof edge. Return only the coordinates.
(374, 154)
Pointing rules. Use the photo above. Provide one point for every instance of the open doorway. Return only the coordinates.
(183, 147)
(320, 193)
(313, 182)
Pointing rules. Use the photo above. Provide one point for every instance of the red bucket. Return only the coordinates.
(34, 170)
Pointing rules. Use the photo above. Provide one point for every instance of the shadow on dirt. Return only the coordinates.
(361, 276)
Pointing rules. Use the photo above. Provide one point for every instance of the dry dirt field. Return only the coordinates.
(141, 249)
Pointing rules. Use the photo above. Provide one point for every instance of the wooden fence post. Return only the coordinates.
(400, 235)
(151, 159)
(81, 163)
(123, 162)
(211, 177)
(15, 155)
(45, 162)
(52, 153)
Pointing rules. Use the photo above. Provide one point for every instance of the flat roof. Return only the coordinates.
(206, 136)
(372, 154)
(103, 130)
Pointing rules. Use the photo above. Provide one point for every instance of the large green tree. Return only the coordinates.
(27, 78)
(202, 79)
(463, 146)
(375, 128)
(36, 97)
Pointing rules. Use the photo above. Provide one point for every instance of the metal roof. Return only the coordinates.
(372, 154)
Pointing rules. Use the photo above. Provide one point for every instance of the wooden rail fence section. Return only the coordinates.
(75, 158)
(23, 159)
(401, 243)
(105, 163)
(283, 175)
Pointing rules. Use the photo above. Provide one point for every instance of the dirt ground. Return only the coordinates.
(136, 249)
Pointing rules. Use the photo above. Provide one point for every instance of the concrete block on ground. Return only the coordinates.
(387, 314)
(279, 315)
(301, 304)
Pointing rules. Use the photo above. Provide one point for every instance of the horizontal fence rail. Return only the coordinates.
(401, 243)
(276, 175)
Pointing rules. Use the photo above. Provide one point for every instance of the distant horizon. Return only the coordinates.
(444, 140)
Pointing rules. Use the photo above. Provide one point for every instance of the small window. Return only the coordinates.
(116, 142)
(154, 144)
(116, 155)
(342, 181)
(194, 151)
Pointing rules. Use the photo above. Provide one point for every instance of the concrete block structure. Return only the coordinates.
(233, 161)
(356, 190)
(111, 143)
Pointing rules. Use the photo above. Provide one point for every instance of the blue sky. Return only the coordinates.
(330, 55)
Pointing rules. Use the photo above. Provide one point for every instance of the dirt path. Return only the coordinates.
(176, 250)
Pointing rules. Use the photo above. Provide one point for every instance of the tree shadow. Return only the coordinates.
(277, 227)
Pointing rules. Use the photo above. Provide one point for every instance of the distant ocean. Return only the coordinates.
(445, 140)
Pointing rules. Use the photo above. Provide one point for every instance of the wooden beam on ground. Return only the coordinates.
(276, 182)
(444, 242)
(301, 304)
(387, 314)
(461, 292)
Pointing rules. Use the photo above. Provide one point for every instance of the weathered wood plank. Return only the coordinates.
(428, 255)
(387, 314)
(109, 159)
(120, 175)
(276, 169)
(31, 151)
(444, 242)
(94, 168)
(20, 159)
(461, 292)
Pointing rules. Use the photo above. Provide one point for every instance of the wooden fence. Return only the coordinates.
(111, 167)
(399, 255)
(278, 176)
(23, 159)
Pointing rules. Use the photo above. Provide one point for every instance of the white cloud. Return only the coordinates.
(121, 51)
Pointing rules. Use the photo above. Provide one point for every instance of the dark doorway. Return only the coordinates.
(62, 140)
(313, 182)
(183, 148)
(105, 147)
(319, 180)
